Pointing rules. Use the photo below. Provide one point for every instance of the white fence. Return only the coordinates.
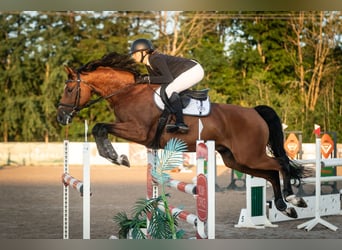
(52, 153)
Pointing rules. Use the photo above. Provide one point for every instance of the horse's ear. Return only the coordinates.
(69, 70)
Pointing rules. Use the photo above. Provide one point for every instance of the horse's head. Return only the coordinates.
(76, 95)
(109, 76)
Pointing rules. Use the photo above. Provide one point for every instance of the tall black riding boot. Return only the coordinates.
(180, 126)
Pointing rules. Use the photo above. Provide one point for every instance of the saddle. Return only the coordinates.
(194, 102)
(200, 95)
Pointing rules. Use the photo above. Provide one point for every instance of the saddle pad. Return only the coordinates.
(195, 107)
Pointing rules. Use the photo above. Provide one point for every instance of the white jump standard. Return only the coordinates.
(254, 215)
(317, 220)
(82, 187)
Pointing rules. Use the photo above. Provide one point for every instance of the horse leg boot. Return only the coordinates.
(179, 126)
(288, 193)
(105, 147)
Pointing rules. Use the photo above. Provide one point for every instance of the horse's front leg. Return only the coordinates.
(105, 147)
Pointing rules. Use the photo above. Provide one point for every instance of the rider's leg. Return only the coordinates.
(176, 104)
(184, 81)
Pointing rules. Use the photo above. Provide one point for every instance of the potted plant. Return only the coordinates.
(161, 223)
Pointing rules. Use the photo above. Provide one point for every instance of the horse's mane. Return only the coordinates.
(114, 61)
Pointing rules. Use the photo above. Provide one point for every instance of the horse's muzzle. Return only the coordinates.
(63, 117)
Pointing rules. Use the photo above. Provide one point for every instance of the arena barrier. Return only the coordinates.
(203, 190)
(82, 187)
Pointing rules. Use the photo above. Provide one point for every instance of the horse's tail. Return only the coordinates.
(276, 141)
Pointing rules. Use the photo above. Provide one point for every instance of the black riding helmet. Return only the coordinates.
(141, 44)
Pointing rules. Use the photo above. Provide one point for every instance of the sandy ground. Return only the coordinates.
(31, 204)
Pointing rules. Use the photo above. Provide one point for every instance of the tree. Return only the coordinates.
(258, 57)
(21, 110)
(314, 42)
(289, 60)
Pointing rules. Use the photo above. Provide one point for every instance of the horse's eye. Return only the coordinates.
(69, 88)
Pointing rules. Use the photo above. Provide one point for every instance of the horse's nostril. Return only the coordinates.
(60, 119)
(63, 118)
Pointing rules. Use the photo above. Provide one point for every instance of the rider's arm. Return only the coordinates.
(159, 71)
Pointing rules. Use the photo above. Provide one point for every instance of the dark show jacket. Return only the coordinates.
(165, 68)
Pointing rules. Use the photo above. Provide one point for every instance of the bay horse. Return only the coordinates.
(241, 134)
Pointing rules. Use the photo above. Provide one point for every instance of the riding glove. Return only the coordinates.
(143, 79)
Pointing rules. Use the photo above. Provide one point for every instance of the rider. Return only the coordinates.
(178, 73)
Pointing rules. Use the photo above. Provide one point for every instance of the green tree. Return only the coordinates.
(313, 48)
(21, 111)
(288, 60)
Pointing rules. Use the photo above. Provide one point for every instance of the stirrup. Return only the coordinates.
(171, 128)
(180, 127)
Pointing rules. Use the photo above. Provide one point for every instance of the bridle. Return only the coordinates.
(76, 107)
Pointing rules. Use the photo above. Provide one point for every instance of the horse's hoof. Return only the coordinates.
(296, 201)
(113, 161)
(124, 160)
(290, 212)
(301, 202)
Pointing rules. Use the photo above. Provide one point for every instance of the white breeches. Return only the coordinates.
(186, 80)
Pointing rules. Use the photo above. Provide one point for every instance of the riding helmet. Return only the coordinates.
(141, 45)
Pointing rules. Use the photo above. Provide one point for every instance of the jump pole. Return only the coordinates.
(68, 180)
(188, 188)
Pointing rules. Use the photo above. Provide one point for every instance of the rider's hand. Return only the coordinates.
(142, 79)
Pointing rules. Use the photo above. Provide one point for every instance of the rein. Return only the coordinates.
(76, 106)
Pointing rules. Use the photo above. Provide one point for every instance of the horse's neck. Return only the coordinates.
(135, 100)
(121, 91)
(108, 81)
(122, 95)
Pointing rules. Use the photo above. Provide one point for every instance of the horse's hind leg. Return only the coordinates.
(271, 175)
(105, 147)
(288, 192)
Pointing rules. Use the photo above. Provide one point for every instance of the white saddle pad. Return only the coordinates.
(195, 107)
